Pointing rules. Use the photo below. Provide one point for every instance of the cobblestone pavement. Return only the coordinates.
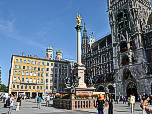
(30, 107)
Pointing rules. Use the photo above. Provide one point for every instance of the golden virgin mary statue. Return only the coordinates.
(78, 20)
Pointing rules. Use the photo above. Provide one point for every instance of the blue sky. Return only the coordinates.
(30, 26)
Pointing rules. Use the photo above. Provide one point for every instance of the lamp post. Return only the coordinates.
(54, 92)
(114, 85)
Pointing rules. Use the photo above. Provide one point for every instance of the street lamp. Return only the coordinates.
(54, 91)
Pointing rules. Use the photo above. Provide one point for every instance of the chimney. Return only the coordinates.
(23, 54)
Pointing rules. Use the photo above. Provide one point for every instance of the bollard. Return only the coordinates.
(117, 101)
(17, 109)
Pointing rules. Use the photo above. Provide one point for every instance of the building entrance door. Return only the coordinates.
(132, 90)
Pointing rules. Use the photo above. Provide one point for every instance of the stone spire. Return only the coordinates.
(84, 27)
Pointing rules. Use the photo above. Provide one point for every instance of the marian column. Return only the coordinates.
(80, 68)
(78, 28)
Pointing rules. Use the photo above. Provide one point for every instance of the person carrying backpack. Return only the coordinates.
(39, 102)
(9, 103)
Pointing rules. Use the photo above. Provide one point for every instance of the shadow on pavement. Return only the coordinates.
(122, 111)
(50, 105)
(138, 109)
(34, 107)
(124, 106)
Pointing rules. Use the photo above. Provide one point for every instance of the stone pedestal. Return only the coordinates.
(80, 72)
(82, 91)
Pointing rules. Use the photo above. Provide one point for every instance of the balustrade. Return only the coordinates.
(74, 104)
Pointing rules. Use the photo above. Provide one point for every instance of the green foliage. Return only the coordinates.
(3, 88)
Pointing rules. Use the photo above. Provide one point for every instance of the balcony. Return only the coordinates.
(125, 62)
(133, 61)
(100, 81)
(149, 73)
(123, 49)
(109, 80)
(131, 47)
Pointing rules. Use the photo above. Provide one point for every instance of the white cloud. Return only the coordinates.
(8, 29)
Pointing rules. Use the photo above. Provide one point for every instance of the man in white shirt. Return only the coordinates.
(134, 99)
(47, 100)
(4, 97)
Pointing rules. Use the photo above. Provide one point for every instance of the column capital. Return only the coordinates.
(78, 27)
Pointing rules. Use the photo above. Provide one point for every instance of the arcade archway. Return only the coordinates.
(111, 89)
(101, 89)
(131, 90)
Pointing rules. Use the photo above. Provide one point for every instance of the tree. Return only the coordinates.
(3, 88)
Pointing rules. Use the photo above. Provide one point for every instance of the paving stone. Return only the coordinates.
(30, 107)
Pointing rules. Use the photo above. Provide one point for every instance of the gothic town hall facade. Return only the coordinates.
(122, 60)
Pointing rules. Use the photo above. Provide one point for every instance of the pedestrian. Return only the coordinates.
(131, 103)
(119, 97)
(1, 96)
(43, 98)
(124, 99)
(4, 97)
(150, 99)
(18, 102)
(19, 99)
(144, 96)
(39, 102)
(100, 103)
(24, 97)
(110, 106)
(8, 102)
(36, 98)
(134, 99)
(47, 100)
(145, 107)
(11, 103)
(14, 98)
(140, 98)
